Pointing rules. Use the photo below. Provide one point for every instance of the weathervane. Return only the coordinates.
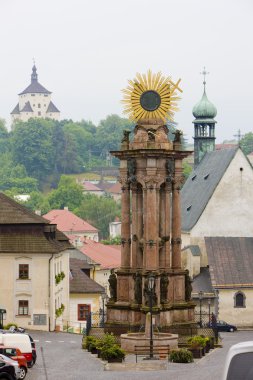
(151, 96)
(204, 73)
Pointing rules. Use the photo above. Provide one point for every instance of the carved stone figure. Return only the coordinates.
(188, 286)
(138, 288)
(178, 135)
(126, 134)
(164, 283)
(113, 286)
(131, 166)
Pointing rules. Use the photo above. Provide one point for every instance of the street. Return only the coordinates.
(60, 357)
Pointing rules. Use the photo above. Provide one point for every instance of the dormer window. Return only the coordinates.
(206, 176)
(194, 177)
(189, 207)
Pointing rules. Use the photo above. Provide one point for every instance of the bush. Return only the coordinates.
(197, 341)
(181, 356)
(112, 352)
(9, 325)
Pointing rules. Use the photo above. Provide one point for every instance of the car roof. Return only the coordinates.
(236, 349)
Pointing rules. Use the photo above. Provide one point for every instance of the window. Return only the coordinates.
(239, 299)
(45, 95)
(23, 271)
(38, 105)
(32, 94)
(39, 113)
(82, 311)
(23, 307)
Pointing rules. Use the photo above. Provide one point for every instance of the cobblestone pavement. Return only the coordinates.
(60, 357)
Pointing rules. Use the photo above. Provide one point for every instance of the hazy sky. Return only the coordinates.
(86, 50)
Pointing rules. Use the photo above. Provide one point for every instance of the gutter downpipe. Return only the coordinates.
(49, 289)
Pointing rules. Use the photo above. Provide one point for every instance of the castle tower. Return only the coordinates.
(151, 178)
(35, 101)
(204, 126)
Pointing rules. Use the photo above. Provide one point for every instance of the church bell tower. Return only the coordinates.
(204, 125)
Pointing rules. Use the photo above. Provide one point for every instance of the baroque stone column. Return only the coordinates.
(176, 216)
(151, 250)
(125, 225)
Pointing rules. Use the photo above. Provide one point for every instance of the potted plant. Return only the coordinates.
(113, 354)
(89, 342)
(196, 345)
(181, 355)
(107, 341)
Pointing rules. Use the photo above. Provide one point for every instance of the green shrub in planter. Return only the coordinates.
(197, 341)
(108, 340)
(181, 356)
(88, 341)
(112, 352)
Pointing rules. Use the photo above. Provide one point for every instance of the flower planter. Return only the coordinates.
(115, 360)
(196, 352)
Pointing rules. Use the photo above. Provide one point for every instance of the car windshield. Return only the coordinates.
(241, 367)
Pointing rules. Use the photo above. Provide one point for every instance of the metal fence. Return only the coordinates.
(95, 325)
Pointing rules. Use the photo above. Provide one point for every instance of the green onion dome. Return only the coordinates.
(204, 109)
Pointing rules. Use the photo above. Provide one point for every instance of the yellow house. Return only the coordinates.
(85, 296)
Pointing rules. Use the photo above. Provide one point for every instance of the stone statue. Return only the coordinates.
(188, 286)
(113, 286)
(164, 282)
(126, 134)
(178, 135)
(131, 166)
(138, 288)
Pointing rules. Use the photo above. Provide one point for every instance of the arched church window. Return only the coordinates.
(239, 299)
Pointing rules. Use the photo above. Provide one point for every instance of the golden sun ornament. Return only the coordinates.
(151, 96)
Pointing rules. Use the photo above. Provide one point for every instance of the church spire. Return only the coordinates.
(204, 125)
(34, 76)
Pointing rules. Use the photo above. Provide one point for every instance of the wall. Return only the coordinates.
(228, 212)
(92, 299)
(230, 314)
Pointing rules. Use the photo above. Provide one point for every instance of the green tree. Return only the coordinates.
(33, 147)
(99, 211)
(246, 143)
(37, 201)
(68, 193)
(109, 134)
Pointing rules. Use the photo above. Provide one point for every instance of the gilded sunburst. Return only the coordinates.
(151, 96)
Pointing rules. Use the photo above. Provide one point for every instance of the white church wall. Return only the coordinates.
(228, 212)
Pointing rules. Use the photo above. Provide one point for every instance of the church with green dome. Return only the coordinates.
(204, 126)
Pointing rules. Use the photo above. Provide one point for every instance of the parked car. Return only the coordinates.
(7, 371)
(15, 354)
(238, 364)
(34, 353)
(13, 363)
(222, 326)
(21, 341)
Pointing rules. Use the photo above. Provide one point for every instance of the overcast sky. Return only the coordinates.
(86, 50)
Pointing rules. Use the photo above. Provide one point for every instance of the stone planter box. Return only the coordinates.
(196, 352)
(115, 360)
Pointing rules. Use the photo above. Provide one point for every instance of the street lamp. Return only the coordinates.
(104, 298)
(151, 284)
(200, 307)
(209, 310)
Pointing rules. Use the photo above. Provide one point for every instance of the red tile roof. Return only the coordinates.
(88, 186)
(67, 221)
(115, 189)
(224, 146)
(105, 255)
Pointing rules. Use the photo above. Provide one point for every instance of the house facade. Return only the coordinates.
(35, 101)
(34, 268)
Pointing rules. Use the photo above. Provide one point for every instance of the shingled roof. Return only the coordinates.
(12, 212)
(230, 261)
(202, 182)
(80, 282)
(22, 231)
(202, 282)
(16, 110)
(27, 108)
(52, 108)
